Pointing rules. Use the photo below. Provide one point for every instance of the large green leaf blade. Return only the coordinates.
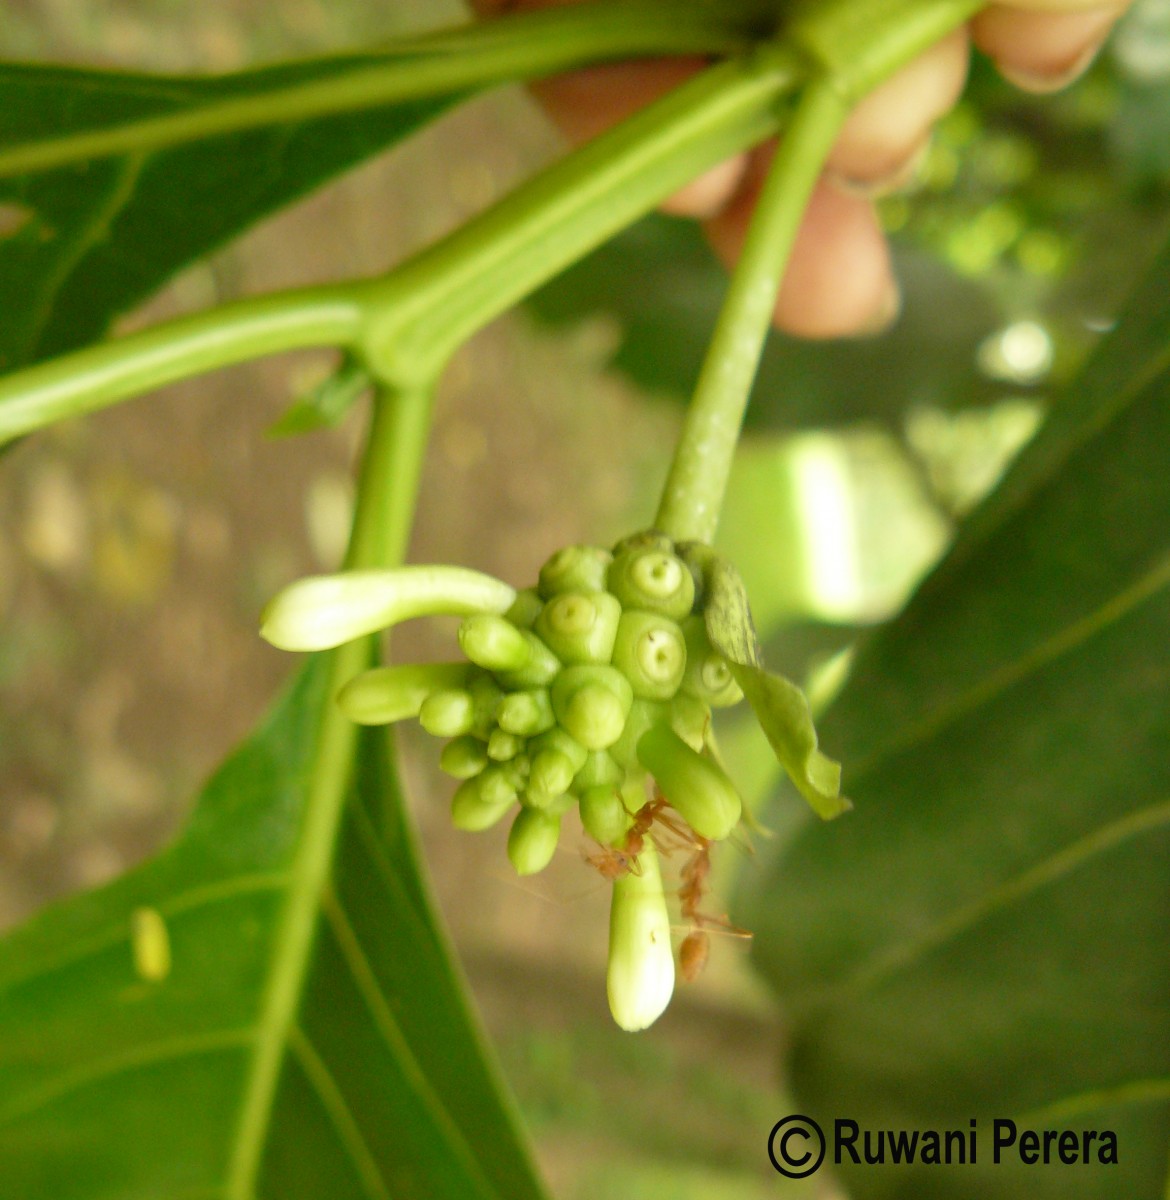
(985, 935)
(117, 1085)
(99, 238)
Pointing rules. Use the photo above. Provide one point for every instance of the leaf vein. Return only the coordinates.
(391, 1033)
(338, 1111)
(1046, 652)
(126, 1061)
(1056, 866)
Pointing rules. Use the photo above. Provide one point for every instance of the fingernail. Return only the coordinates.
(886, 313)
(900, 177)
(1043, 82)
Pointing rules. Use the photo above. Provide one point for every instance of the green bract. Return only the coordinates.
(579, 692)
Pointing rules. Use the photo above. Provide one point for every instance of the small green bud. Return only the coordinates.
(690, 718)
(386, 694)
(580, 628)
(643, 714)
(650, 653)
(487, 699)
(575, 569)
(557, 739)
(503, 746)
(525, 609)
(640, 976)
(532, 840)
(600, 770)
(604, 815)
(540, 669)
(708, 675)
(463, 758)
(323, 611)
(592, 703)
(447, 714)
(526, 713)
(653, 580)
(499, 783)
(494, 643)
(480, 802)
(696, 786)
(551, 775)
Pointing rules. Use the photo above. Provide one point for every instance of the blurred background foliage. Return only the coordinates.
(136, 549)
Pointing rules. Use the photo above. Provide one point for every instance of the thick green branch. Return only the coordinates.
(405, 324)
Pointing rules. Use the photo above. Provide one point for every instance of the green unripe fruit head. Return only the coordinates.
(532, 840)
(650, 652)
(604, 815)
(708, 675)
(463, 758)
(654, 580)
(591, 704)
(575, 569)
(580, 627)
(696, 787)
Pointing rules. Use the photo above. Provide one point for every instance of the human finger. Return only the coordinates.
(1043, 45)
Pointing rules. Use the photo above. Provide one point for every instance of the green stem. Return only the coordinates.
(856, 44)
(103, 374)
(405, 324)
(435, 301)
(385, 508)
(517, 47)
(693, 493)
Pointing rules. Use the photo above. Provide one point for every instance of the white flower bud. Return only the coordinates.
(640, 979)
(323, 611)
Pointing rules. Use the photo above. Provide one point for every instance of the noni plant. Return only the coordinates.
(269, 1007)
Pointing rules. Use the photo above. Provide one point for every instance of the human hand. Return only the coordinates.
(839, 280)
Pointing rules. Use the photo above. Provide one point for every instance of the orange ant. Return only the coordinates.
(614, 862)
(692, 954)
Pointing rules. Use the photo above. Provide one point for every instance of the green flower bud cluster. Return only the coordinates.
(573, 693)
(598, 676)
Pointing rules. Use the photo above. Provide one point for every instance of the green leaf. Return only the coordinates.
(986, 935)
(121, 1076)
(101, 237)
(662, 284)
(779, 705)
(325, 405)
